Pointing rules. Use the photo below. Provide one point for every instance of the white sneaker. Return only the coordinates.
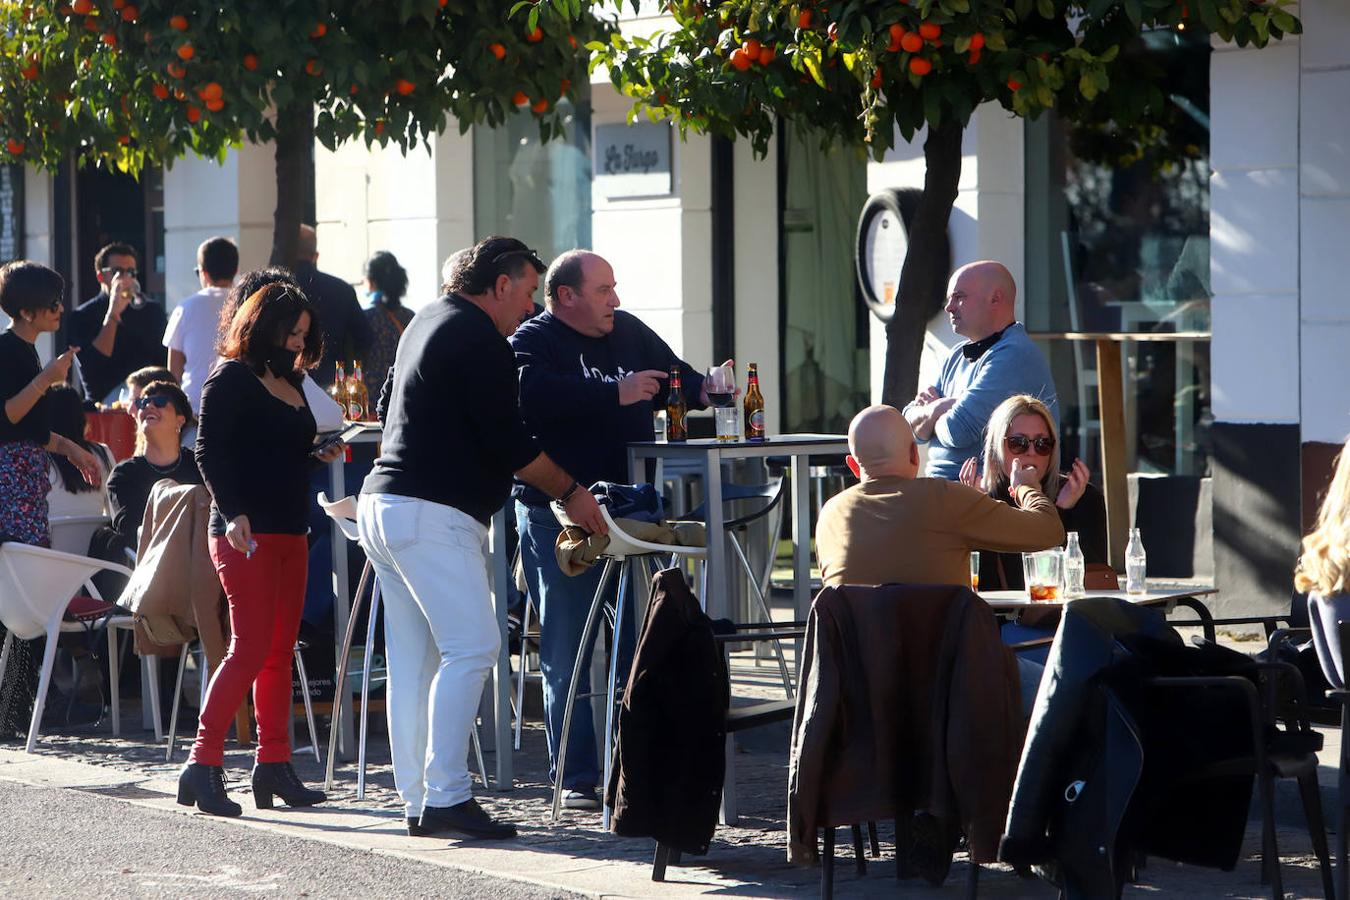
(581, 799)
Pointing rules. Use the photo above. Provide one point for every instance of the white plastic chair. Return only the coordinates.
(36, 586)
(343, 512)
(622, 551)
(71, 534)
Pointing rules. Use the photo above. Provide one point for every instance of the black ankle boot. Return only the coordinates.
(279, 780)
(204, 787)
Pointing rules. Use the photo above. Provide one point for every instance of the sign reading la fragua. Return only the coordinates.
(633, 160)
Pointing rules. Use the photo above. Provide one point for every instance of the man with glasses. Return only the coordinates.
(119, 330)
(195, 323)
(996, 361)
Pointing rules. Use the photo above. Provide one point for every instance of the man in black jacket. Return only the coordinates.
(453, 438)
(346, 330)
(118, 330)
(590, 376)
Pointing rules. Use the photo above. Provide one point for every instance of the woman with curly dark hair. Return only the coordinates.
(386, 283)
(255, 449)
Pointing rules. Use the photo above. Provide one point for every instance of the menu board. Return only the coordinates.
(11, 213)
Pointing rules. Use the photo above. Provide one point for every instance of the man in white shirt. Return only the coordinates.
(194, 326)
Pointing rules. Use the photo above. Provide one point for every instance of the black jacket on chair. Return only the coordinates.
(670, 755)
(1111, 767)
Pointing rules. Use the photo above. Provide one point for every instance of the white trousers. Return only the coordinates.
(441, 639)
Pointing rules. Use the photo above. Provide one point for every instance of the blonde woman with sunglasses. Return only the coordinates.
(1021, 428)
(1324, 570)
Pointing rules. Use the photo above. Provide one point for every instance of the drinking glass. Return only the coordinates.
(975, 571)
(720, 383)
(1043, 573)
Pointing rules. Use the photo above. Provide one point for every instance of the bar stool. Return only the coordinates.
(343, 512)
(623, 550)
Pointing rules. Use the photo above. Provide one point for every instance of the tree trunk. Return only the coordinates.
(923, 280)
(294, 168)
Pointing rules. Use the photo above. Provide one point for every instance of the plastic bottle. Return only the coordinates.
(1136, 564)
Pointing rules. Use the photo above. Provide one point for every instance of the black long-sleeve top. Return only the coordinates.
(1003, 571)
(19, 365)
(347, 334)
(253, 451)
(139, 343)
(129, 489)
(452, 427)
(569, 393)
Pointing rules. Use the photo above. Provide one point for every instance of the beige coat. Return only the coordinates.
(174, 592)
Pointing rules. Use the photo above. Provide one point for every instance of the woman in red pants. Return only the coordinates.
(254, 449)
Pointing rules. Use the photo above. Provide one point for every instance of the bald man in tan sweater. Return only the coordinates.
(897, 528)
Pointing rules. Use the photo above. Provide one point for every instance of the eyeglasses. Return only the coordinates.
(529, 254)
(113, 271)
(1020, 443)
(55, 305)
(158, 401)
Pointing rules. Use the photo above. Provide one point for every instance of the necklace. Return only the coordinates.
(165, 470)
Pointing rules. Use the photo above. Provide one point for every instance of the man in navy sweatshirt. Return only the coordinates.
(996, 361)
(590, 376)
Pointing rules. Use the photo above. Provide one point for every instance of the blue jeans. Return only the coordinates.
(563, 602)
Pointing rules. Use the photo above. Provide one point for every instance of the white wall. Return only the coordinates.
(988, 220)
(39, 217)
(1324, 220)
(417, 207)
(205, 199)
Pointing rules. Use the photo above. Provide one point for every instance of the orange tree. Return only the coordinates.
(860, 72)
(131, 83)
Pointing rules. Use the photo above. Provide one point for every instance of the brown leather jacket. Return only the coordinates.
(908, 700)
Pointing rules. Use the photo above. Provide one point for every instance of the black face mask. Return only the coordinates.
(281, 361)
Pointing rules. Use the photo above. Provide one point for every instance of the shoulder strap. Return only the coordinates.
(393, 318)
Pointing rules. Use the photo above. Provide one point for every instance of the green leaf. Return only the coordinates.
(1136, 12)
(1087, 86)
(932, 107)
(532, 21)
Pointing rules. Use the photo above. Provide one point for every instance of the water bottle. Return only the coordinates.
(1073, 568)
(1136, 563)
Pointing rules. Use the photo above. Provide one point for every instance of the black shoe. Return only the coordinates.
(204, 787)
(925, 848)
(467, 818)
(279, 780)
(415, 828)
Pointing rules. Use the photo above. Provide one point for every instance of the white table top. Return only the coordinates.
(1156, 593)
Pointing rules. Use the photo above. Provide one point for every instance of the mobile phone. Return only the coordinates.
(331, 440)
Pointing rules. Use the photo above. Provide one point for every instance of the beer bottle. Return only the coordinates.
(338, 389)
(358, 397)
(754, 408)
(676, 408)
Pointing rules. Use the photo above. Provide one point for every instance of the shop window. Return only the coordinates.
(1120, 245)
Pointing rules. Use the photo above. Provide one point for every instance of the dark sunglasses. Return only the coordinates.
(530, 255)
(110, 271)
(159, 401)
(1020, 443)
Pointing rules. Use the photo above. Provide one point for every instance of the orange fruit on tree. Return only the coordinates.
(497, 50)
(130, 13)
(14, 147)
(176, 70)
(535, 36)
(118, 4)
(354, 90)
(210, 91)
(804, 20)
(539, 106)
(897, 35)
(1014, 85)
(766, 55)
(83, 7)
(186, 51)
(379, 127)
(109, 38)
(974, 56)
(31, 72)
(740, 60)
(318, 30)
(752, 48)
(124, 139)
(312, 67)
(876, 79)
(179, 23)
(160, 91)
(564, 86)
(930, 31)
(91, 23)
(920, 66)
(193, 114)
(251, 61)
(180, 95)
(215, 104)
(404, 87)
(572, 41)
(977, 40)
(911, 42)
(519, 99)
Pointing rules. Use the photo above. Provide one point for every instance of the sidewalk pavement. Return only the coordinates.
(747, 860)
